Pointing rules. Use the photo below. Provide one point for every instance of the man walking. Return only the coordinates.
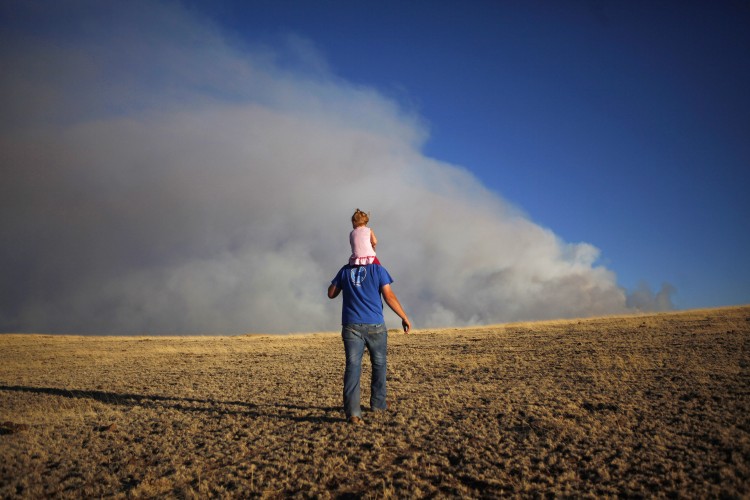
(363, 326)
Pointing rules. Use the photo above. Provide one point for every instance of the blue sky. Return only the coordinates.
(171, 166)
(621, 124)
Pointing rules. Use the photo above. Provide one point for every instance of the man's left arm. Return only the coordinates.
(333, 291)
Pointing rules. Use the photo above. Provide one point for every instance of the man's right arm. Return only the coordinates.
(392, 301)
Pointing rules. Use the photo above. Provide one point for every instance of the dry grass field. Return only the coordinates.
(653, 405)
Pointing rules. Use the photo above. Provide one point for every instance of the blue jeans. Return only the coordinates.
(356, 337)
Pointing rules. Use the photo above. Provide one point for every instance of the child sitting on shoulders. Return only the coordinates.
(362, 240)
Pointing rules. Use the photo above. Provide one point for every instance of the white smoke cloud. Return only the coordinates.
(645, 300)
(160, 177)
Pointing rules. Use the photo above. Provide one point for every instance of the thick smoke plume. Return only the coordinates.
(159, 177)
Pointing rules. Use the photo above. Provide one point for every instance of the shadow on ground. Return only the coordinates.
(274, 411)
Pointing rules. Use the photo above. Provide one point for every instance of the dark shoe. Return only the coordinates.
(356, 421)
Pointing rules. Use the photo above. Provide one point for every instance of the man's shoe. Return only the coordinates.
(387, 407)
(356, 421)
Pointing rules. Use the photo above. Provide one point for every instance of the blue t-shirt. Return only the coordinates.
(361, 288)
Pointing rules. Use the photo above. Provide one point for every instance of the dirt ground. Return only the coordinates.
(653, 405)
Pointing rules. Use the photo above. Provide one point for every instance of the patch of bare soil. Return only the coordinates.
(636, 405)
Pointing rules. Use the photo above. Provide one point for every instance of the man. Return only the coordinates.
(363, 326)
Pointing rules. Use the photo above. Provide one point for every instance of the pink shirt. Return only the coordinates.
(362, 251)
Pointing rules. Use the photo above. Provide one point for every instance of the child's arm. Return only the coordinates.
(373, 239)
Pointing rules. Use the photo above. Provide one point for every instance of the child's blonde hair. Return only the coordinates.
(360, 218)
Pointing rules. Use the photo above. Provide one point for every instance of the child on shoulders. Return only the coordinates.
(362, 240)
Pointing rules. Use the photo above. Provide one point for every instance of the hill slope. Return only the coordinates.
(624, 405)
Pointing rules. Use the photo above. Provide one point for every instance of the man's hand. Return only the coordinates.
(392, 301)
(405, 323)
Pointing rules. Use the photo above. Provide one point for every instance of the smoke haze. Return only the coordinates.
(160, 177)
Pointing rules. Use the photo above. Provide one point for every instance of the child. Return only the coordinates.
(362, 240)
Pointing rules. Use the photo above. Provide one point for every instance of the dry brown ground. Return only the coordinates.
(646, 405)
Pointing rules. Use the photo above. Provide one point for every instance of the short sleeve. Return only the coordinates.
(337, 279)
(383, 276)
